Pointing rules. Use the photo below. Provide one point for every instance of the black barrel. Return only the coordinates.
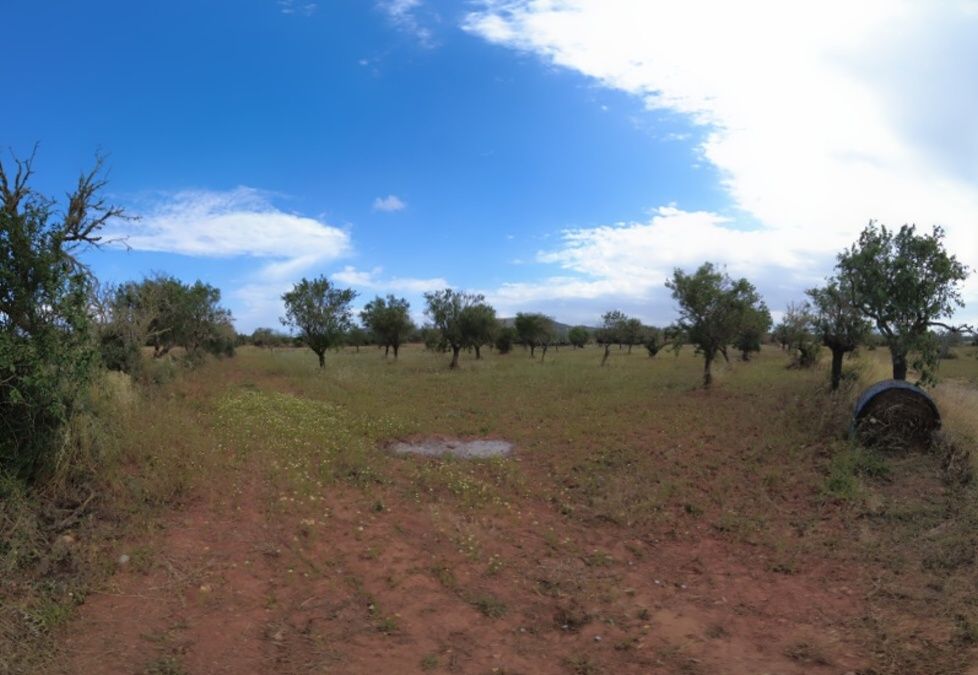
(895, 414)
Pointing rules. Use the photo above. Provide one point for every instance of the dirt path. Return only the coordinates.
(243, 583)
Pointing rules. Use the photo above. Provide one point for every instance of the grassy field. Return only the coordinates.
(642, 524)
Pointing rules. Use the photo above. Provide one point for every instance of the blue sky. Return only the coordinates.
(560, 157)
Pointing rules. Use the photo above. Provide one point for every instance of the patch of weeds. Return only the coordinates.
(715, 631)
(806, 652)
(965, 630)
(598, 559)
(581, 664)
(572, 617)
(445, 576)
(950, 553)
(429, 662)
(494, 566)
(387, 625)
(846, 469)
(489, 606)
(165, 665)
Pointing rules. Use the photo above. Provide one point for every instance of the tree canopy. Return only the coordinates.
(389, 320)
(837, 322)
(451, 314)
(712, 310)
(906, 283)
(48, 353)
(321, 312)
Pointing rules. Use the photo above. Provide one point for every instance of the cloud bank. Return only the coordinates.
(818, 116)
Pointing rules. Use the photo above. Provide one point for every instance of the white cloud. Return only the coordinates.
(628, 264)
(818, 116)
(238, 223)
(389, 204)
(293, 7)
(403, 14)
(371, 280)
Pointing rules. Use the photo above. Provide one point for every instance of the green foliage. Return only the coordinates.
(48, 351)
(534, 330)
(389, 320)
(654, 340)
(479, 326)
(755, 323)
(712, 310)
(505, 337)
(321, 312)
(460, 318)
(612, 328)
(578, 336)
(905, 283)
(632, 333)
(837, 322)
(164, 312)
(795, 331)
(268, 338)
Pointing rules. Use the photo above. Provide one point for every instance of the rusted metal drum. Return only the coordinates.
(894, 414)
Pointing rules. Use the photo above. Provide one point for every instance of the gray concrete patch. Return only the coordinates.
(454, 447)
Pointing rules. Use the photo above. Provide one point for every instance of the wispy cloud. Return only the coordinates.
(815, 117)
(371, 280)
(299, 8)
(404, 15)
(239, 223)
(389, 204)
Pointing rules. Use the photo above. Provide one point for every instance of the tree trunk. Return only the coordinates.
(533, 349)
(455, 351)
(837, 355)
(396, 347)
(543, 354)
(899, 364)
(629, 348)
(322, 359)
(387, 349)
(607, 350)
(745, 355)
(707, 373)
(478, 352)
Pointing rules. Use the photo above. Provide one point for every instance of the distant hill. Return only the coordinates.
(562, 328)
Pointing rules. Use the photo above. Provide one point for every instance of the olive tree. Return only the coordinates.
(578, 336)
(798, 329)
(389, 320)
(612, 331)
(451, 314)
(837, 322)
(755, 322)
(479, 325)
(534, 330)
(48, 352)
(632, 332)
(905, 283)
(321, 313)
(712, 308)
